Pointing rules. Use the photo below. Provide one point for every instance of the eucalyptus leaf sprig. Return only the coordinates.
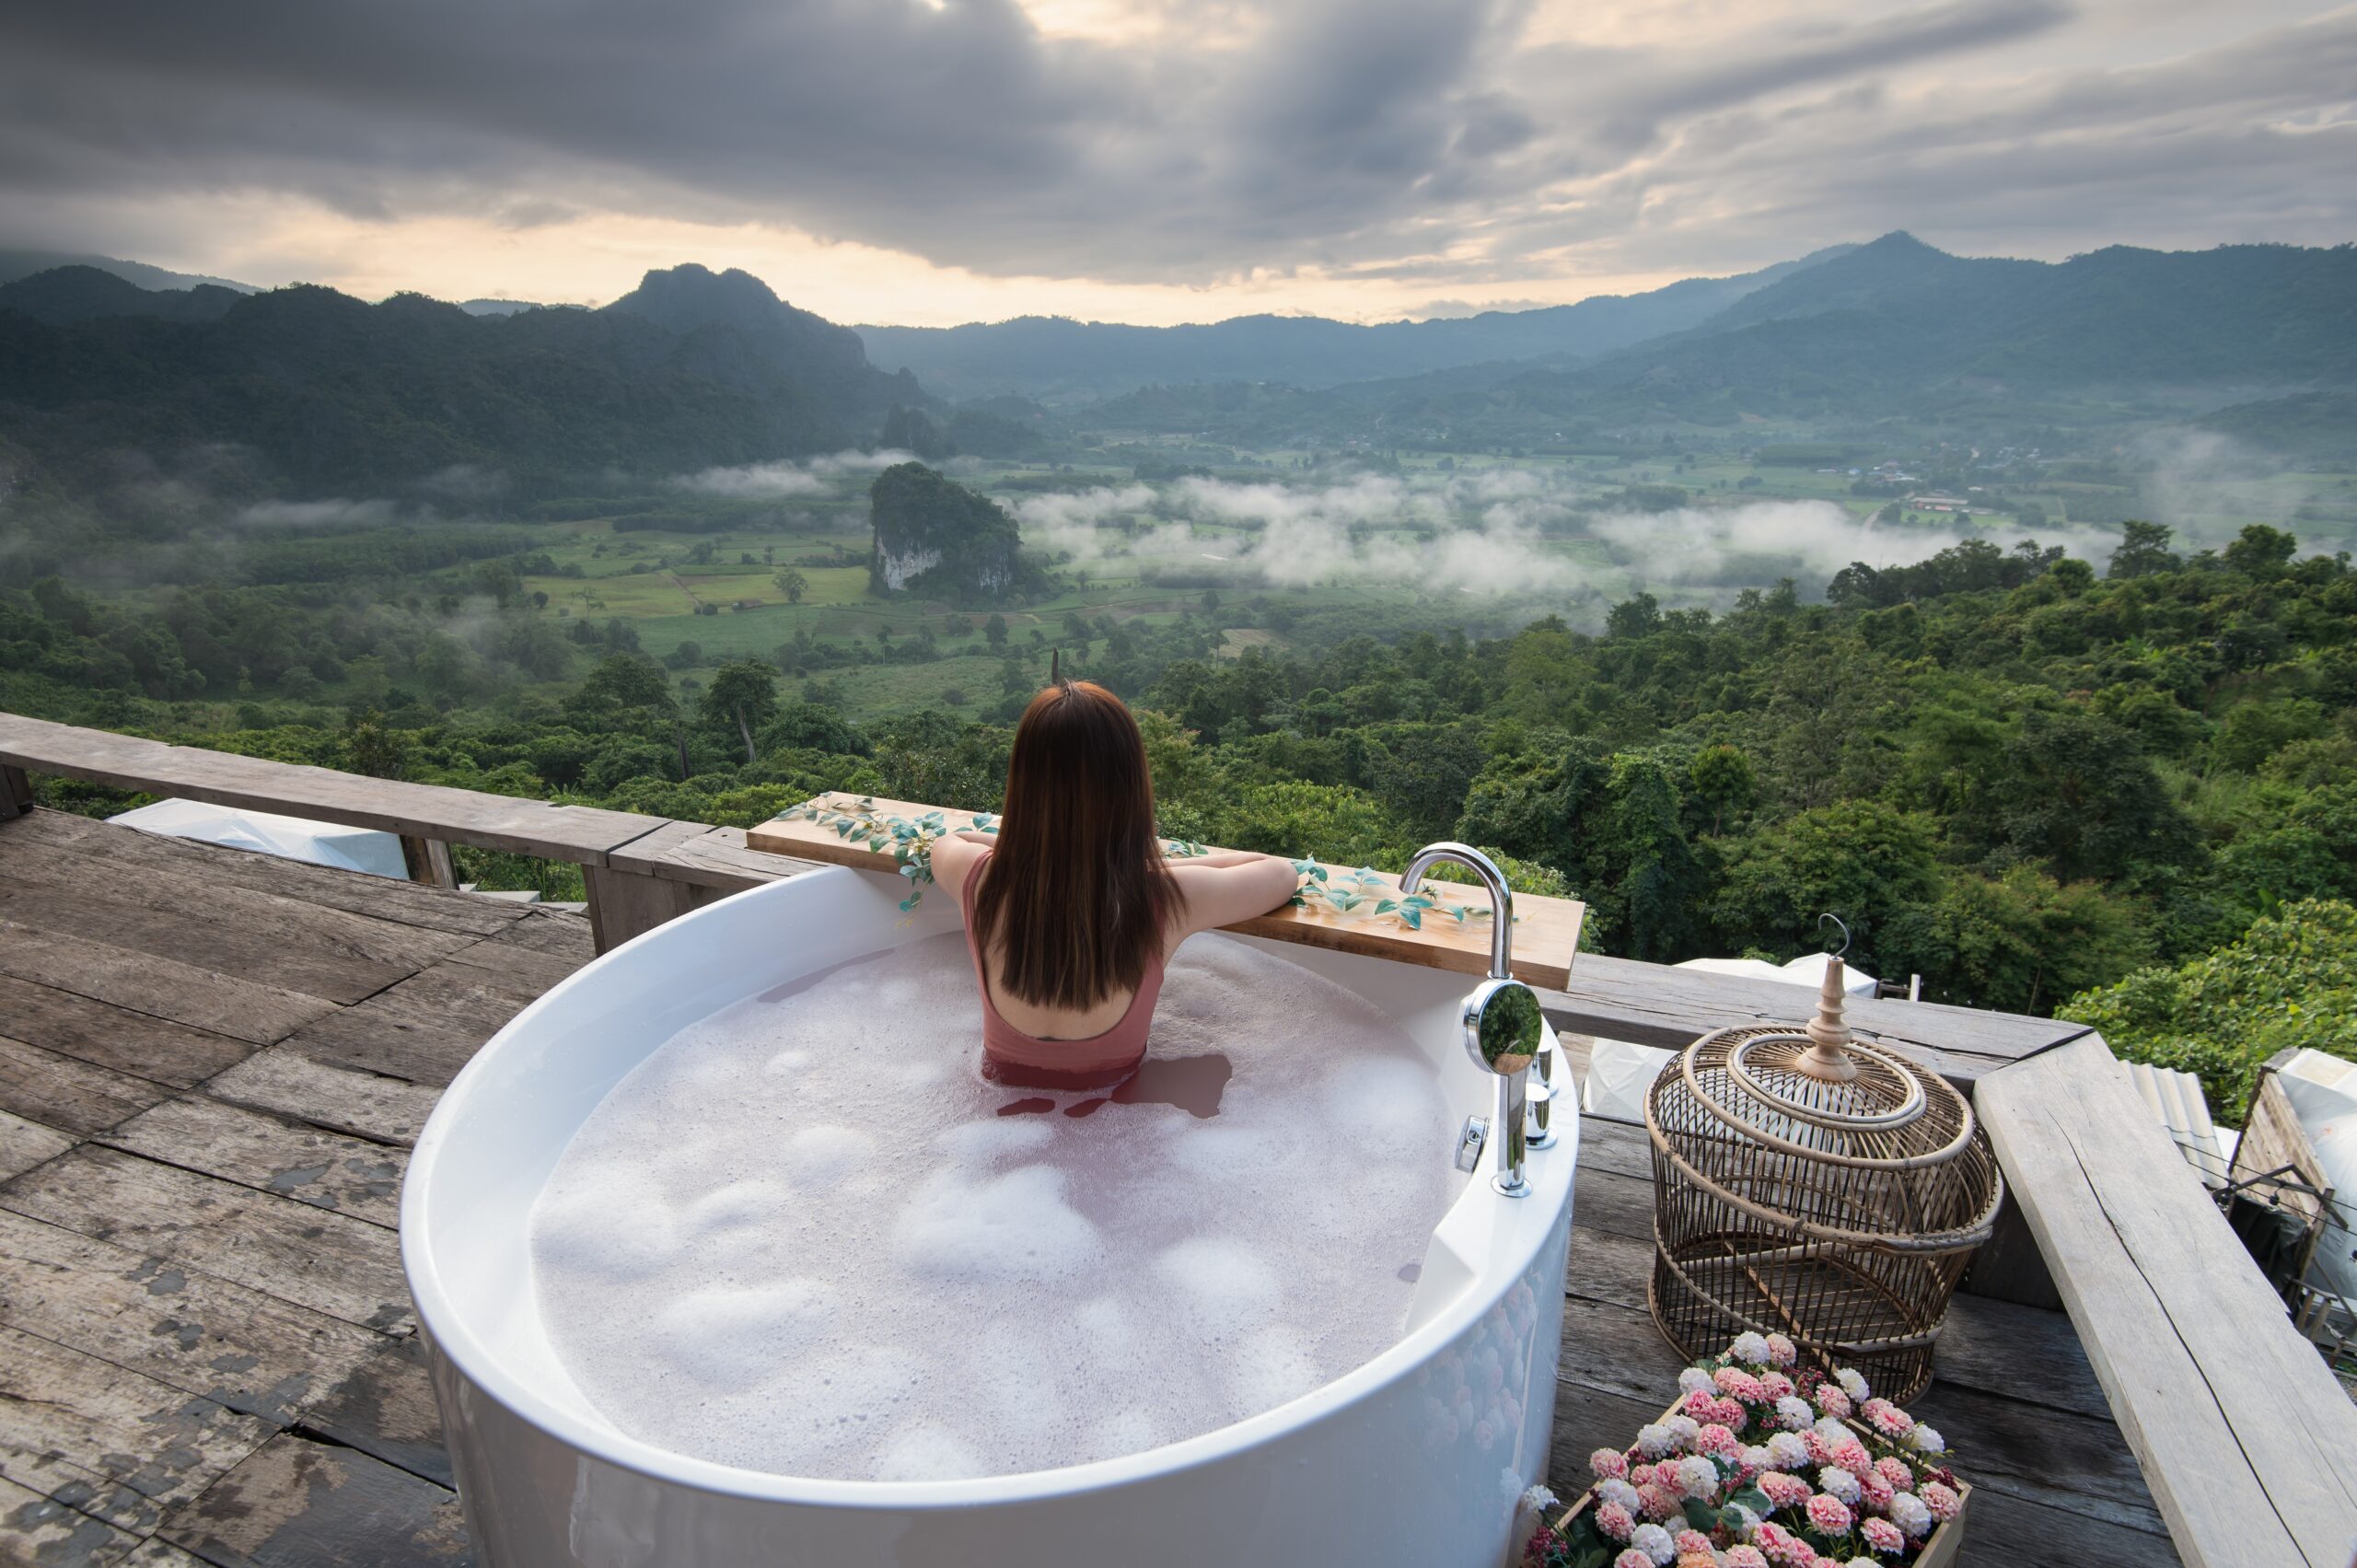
(1365, 893)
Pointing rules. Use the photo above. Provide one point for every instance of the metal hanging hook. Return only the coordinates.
(1839, 924)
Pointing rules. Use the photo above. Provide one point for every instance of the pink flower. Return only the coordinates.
(1691, 1541)
(1728, 1412)
(1745, 1557)
(1883, 1536)
(1877, 1491)
(1832, 1400)
(1828, 1514)
(1942, 1501)
(1888, 1419)
(1741, 1384)
(1776, 1385)
(1782, 1491)
(1719, 1442)
(1782, 1351)
(1783, 1546)
(1894, 1469)
(1614, 1522)
(1633, 1558)
(1659, 1500)
(1820, 1452)
(1698, 1404)
(1850, 1454)
(1609, 1464)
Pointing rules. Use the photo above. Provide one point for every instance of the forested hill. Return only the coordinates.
(320, 392)
(1056, 357)
(1894, 328)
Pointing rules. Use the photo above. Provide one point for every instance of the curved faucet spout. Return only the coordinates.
(1501, 896)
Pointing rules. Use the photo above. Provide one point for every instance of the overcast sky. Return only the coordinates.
(934, 161)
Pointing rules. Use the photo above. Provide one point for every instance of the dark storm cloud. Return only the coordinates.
(1388, 140)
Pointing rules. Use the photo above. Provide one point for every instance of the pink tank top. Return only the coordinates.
(1022, 1060)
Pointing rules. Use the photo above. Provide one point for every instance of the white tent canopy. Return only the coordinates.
(1619, 1071)
(289, 838)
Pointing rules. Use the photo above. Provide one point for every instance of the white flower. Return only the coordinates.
(1538, 1499)
(1694, 1378)
(1852, 1384)
(1654, 1542)
(1698, 1477)
(1685, 1428)
(1740, 1519)
(1654, 1440)
(1909, 1512)
(1759, 1457)
(1619, 1492)
(1787, 1450)
(1795, 1413)
(1840, 1483)
(1751, 1349)
(1831, 1430)
(1927, 1439)
(1861, 1563)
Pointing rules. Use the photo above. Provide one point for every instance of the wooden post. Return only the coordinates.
(429, 862)
(15, 792)
(624, 903)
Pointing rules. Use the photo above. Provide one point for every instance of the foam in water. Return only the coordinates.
(805, 1235)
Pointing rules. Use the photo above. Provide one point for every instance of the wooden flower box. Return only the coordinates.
(1939, 1549)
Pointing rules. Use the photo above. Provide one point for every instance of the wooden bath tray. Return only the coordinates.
(1546, 931)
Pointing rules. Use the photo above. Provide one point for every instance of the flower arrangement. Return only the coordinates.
(1759, 1465)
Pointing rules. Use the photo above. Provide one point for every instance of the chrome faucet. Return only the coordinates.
(1504, 1031)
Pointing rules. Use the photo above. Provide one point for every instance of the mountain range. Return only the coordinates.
(320, 393)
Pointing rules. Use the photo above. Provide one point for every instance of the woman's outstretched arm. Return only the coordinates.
(1231, 886)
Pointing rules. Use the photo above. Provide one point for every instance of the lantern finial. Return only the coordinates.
(1828, 1033)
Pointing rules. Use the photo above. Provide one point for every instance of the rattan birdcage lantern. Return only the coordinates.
(1810, 1184)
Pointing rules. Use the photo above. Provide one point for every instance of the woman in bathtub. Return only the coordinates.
(1071, 909)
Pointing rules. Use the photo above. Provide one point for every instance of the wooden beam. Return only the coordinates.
(2246, 1441)
(1546, 934)
(623, 904)
(581, 833)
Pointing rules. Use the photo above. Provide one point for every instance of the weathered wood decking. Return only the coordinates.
(212, 1065)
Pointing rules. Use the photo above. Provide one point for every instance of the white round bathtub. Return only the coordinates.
(1388, 1465)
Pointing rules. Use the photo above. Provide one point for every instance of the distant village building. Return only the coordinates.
(1939, 503)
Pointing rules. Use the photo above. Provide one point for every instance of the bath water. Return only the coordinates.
(806, 1237)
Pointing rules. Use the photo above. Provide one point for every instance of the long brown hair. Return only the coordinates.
(1078, 893)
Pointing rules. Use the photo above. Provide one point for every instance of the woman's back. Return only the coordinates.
(1070, 908)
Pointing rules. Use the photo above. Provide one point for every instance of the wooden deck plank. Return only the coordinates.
(2248, 1443)
(706, 856)
(24, 1144)
(343, 1099)
(550, 931)
(244, 916)
(328, 1170)
(510, 969)
(112, 1443)
(296, 1503)
(136, 855)
(118, 1038)
(385, 1408)
(196, 937)
(159, 987)
(239, 1347)
(332, 1262)
(71, 1096)
(36, 1531)
(421, 1031)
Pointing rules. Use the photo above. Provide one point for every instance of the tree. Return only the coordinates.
(793, 585)
(743, 691)
(2143, 550)
(2288, 981)
(994, 631)
(2261, 552)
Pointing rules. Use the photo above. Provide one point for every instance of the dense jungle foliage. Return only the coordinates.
(2022, 780)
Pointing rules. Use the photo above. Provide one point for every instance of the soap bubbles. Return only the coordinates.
(806, 1237)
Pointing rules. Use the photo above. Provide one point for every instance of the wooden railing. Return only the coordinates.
(2247, 1442)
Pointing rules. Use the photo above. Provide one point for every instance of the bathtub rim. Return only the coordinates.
(1514, 1233)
